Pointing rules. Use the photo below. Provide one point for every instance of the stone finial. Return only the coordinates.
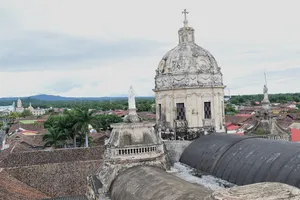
(132, 115)
(185, 22)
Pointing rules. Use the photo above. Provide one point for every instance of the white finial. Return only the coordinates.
(131, 98)
(265, 79)
(185, 22)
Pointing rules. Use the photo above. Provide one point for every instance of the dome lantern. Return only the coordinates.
(187, 65)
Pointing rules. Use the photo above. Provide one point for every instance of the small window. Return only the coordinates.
(207, 110)
(159, 111)
(180, 111)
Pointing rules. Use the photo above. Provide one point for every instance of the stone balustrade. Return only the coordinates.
(135, 150)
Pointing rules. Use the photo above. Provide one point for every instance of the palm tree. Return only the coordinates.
(55, 137)
(65, 123)
(84, 118)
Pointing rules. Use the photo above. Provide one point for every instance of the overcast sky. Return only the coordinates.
(100, 48)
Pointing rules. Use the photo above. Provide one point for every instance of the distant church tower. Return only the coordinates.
(19, 107)
(189, 90)
(19, 103)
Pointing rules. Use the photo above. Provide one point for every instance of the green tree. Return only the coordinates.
(26, 113)
(229, 109)
(54, 138)
(65, 123)
(103, 122)
(13, 115)
(84, 118)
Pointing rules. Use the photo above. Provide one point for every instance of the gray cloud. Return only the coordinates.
(63, 86)
(34, 50)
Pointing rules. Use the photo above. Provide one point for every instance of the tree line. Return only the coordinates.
(142, 104)
(74, 126)
(274, 98)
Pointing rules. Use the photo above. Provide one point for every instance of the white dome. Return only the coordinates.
(187, 65)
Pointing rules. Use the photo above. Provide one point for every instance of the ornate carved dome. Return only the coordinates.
(187, 65)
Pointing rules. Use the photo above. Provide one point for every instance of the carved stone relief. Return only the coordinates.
(178, 80)
(161, 97)
(192, 80)
(178, 96)
(161, 66)
(216, 79)
(187, 65)
(203, 79)
(206, 94)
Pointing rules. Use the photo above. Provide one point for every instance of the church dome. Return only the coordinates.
(187, 65)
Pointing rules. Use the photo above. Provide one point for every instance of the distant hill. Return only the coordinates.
(46, 97)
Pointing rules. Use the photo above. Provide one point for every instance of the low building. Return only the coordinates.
(19, 107)
(8, 109)
(36, 112)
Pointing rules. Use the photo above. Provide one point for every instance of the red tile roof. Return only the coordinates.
(243, 115)
(13, 189)
(29, 127)
(232, 127)
(295, 135)
(236, 119)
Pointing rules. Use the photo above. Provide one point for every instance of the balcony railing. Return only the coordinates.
(134, 150)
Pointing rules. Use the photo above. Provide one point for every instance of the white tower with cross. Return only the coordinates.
(189, 89)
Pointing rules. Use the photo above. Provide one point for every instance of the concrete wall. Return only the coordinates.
(57, 179)
(175, 148)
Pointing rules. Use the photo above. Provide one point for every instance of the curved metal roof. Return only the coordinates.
(244, 160)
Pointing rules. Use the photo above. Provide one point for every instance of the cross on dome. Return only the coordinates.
(185, 22)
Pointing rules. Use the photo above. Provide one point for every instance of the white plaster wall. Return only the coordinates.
(193, 100)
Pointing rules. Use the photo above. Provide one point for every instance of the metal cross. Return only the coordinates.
(185, 13)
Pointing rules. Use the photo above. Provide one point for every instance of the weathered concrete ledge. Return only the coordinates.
(145, 182)
(258, 191)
